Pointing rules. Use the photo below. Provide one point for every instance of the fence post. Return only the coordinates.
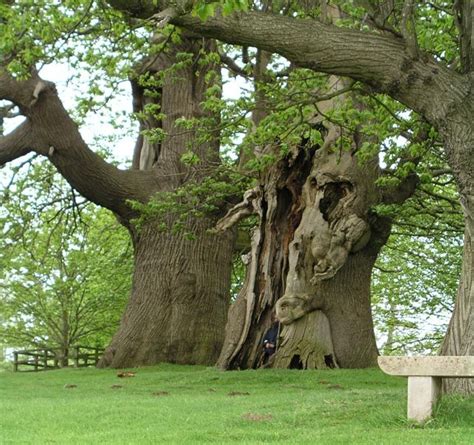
(15, 361)
(36, 356)
(76, 357)
(55, 358)
(45, 358)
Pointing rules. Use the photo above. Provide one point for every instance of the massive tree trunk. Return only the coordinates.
(180, 292)
(311, 260)
(180, 296)
(179, 302)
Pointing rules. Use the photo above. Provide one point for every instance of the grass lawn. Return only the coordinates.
(171, 404)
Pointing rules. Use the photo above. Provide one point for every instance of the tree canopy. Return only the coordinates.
(57, 255)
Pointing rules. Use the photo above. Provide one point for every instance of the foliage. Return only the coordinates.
(205, 8)
(91, 43)
(171, 210)
(417, 273)
(57, 255)
(197, 405)
(434, 23)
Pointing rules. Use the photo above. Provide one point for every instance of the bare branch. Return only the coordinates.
(452, 201)
(29, 162)
(232, 66)
(242, 210)
(441, 172)
(5, 112)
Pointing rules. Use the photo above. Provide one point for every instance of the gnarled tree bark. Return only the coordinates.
(310, 271)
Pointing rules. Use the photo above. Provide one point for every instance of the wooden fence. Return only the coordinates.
(48, 358)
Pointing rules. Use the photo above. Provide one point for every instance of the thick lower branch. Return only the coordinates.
(50, 131)
(15, 144)
(384, 62)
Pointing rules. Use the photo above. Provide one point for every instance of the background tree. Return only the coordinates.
(57, 254)
(416, 276)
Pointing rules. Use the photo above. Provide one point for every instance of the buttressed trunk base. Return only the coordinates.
(178, 307)
(311, 259)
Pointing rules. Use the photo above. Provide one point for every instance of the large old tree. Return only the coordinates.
(180, 293)
(387, 57)
(318, 235)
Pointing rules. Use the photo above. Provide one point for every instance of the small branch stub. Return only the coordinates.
(161, 19)
(39, 88)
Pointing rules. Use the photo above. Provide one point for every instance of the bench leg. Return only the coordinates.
(423, 394)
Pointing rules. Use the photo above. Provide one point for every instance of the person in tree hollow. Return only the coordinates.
(270, 340)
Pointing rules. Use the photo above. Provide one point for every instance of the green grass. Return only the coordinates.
(171, 404)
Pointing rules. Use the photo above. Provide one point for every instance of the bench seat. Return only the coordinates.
(424, 378)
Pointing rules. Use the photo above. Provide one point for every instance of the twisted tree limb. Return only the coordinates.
(50, 131)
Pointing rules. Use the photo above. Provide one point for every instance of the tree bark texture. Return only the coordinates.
(179, 302)
(180, 296)
(313, 251)
(459, 339)
(306, 344)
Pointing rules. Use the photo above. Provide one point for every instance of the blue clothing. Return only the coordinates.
(271, 336)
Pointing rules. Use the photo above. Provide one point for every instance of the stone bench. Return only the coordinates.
(424, 378)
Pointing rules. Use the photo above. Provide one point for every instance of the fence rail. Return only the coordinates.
(51, 358)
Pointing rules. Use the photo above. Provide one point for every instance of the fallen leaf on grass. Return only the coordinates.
(253, 417)
(237, 393)
(336, 386)
(116, 386)
(69, 385)
(126, 374)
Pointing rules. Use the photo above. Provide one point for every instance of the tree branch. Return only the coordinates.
(247, 207)
(400, 193)
(408, 27)
(380, 61)
(15, 144)
(50, 131)
(232, 66)
(383, 62)
(464, 18)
